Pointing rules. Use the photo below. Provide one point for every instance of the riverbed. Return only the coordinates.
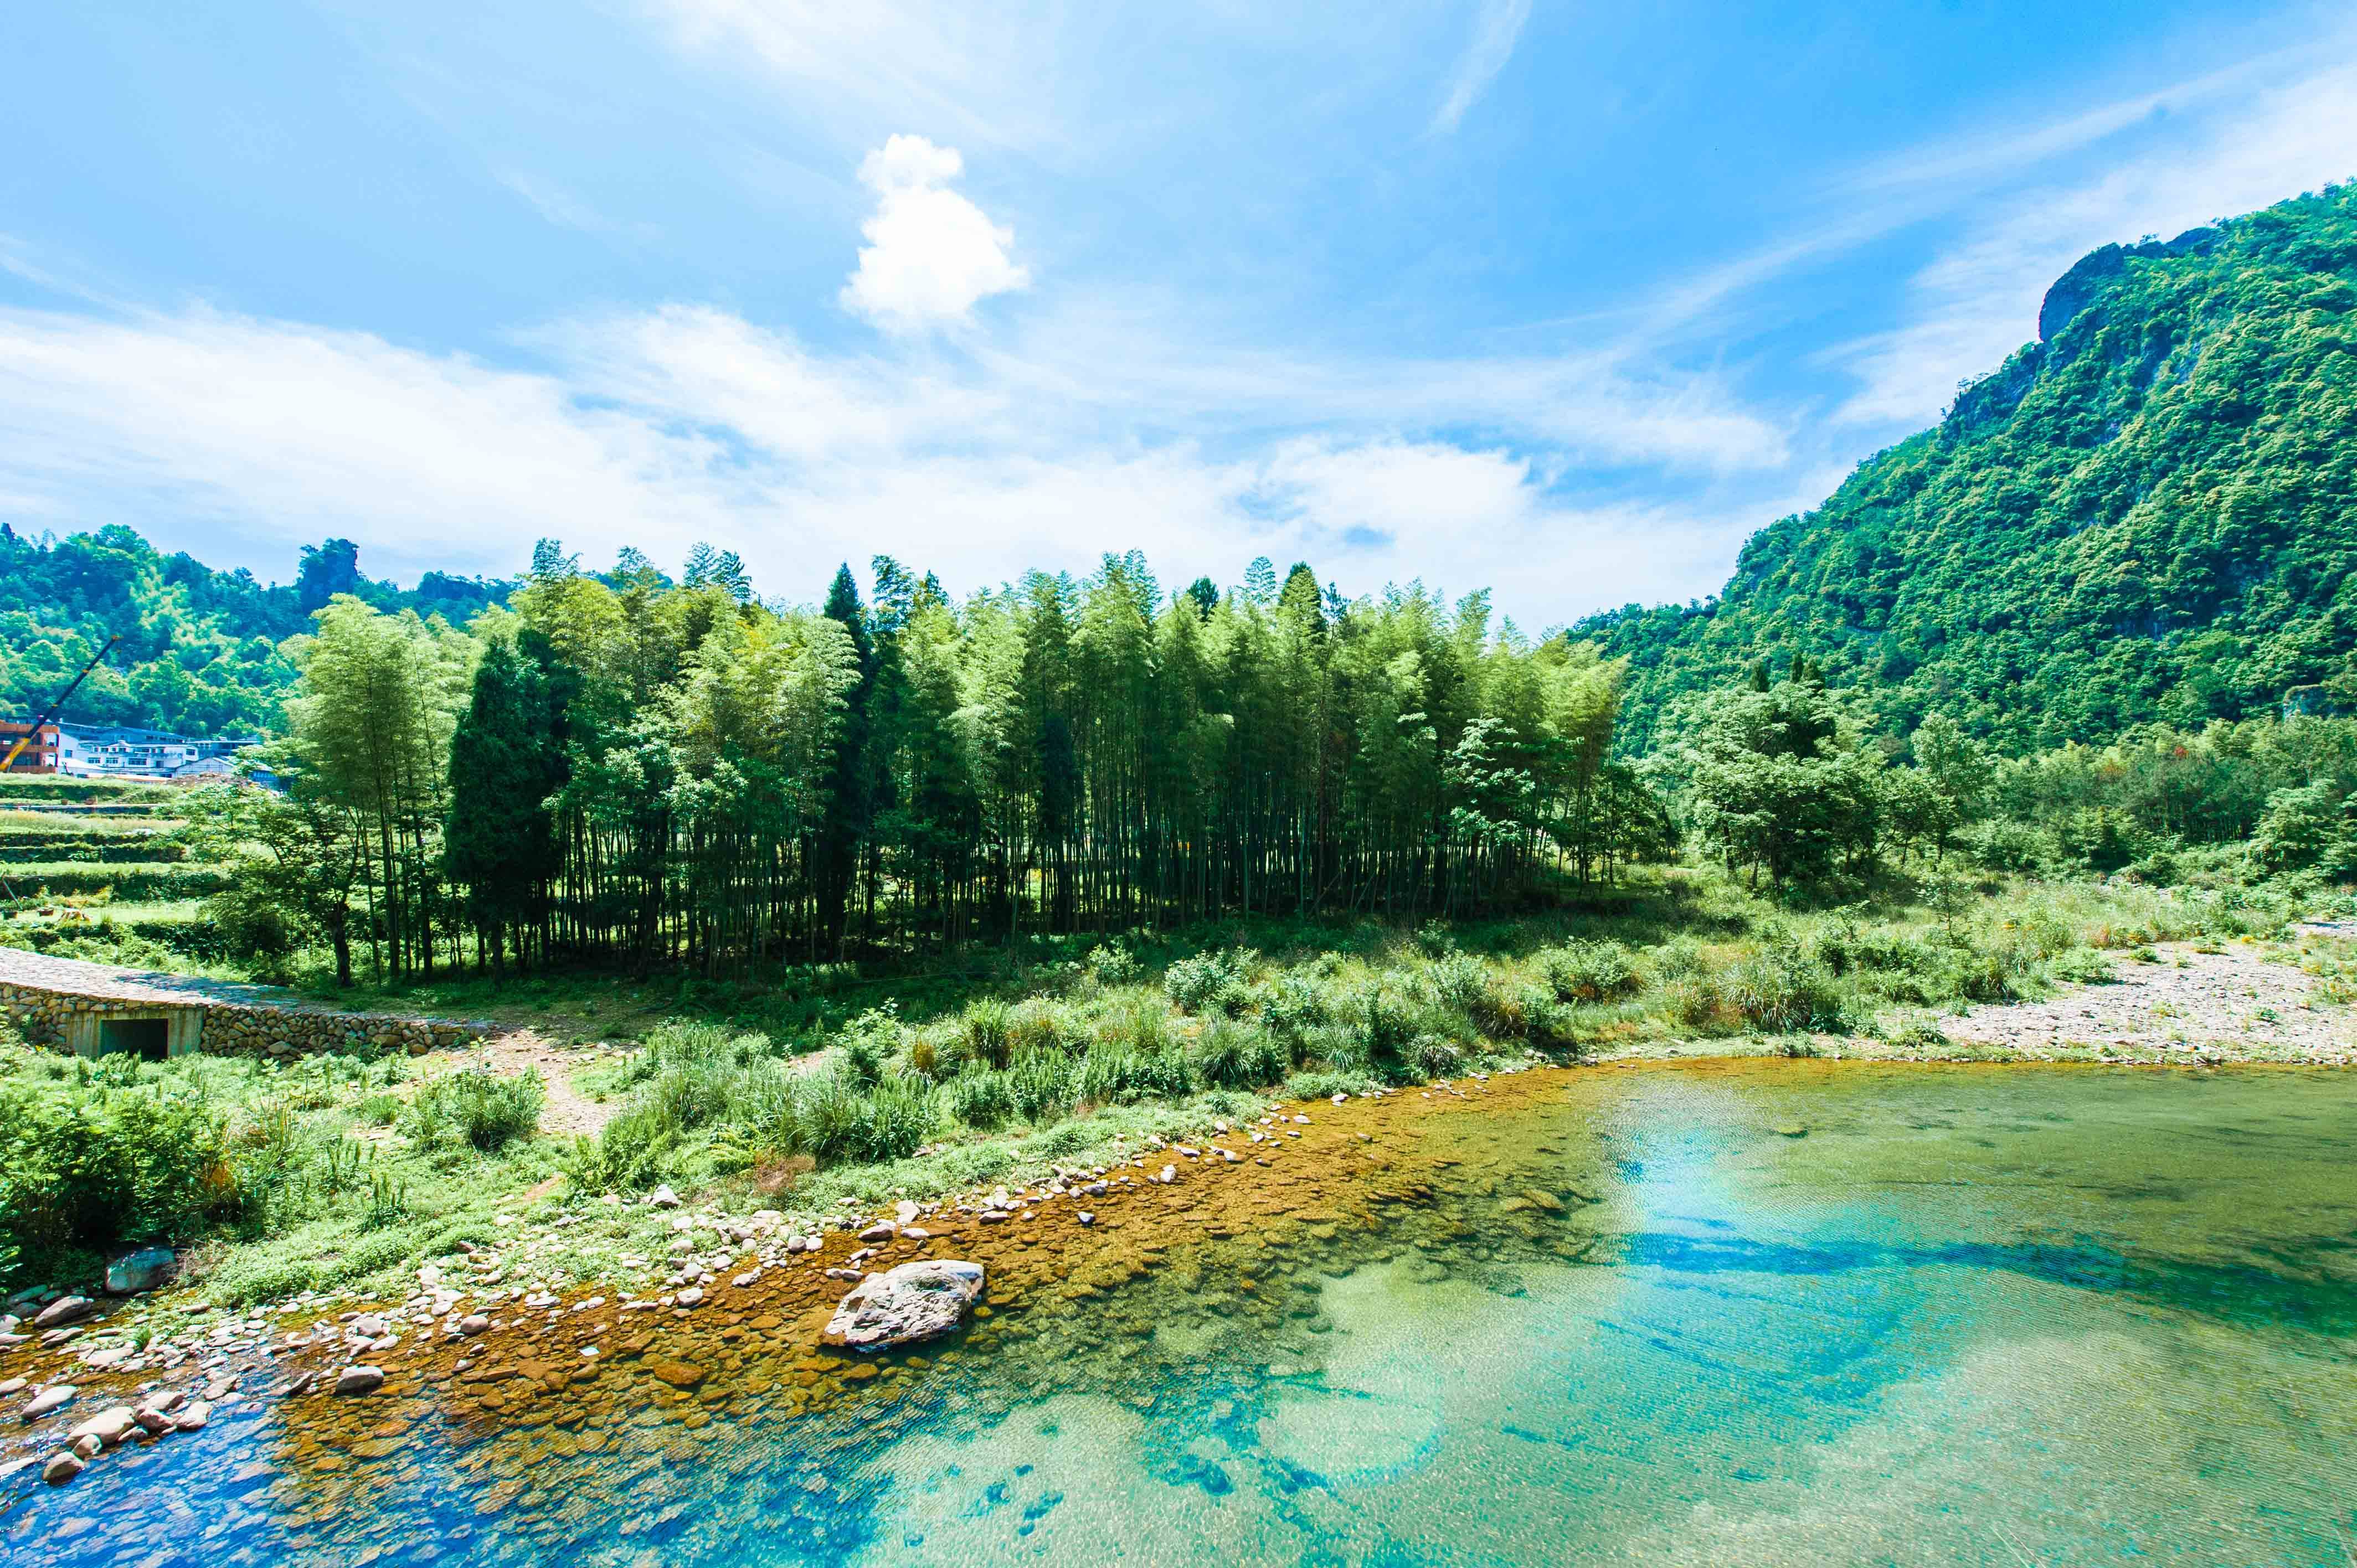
(1764, 1312)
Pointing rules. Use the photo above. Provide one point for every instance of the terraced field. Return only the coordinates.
(90, 868)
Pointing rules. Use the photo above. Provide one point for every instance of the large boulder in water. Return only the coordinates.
(136, 1272)
(922, 1300)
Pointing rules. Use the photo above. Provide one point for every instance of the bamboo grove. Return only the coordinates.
(617, 768)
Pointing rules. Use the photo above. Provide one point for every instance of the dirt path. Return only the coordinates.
(568, 1109)
(2236, 1003)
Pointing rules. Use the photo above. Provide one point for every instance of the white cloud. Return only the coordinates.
(1495, 31)
(930, 253)
(660, 428)
(960, 67)
(1617, 468)
(282, 431)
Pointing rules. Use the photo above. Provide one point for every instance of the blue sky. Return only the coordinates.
(1563, 300)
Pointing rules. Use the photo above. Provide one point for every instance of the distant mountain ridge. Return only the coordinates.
(2148, 513)
(199, 650)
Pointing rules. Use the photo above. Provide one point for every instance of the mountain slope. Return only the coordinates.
(199, 649)
(2148, 513)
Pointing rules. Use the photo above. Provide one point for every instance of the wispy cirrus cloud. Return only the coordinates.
(2239, 139)
(964, 71)
(1497, 26)
(658, 428)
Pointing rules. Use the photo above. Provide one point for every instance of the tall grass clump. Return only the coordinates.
(1123, 1069)
(1232, 1054)
(1781, 989)
(838, 1121)
(990, 1033)
(707, 1101)
(1293, 1005)
(476, 1108)
(1383, 1025)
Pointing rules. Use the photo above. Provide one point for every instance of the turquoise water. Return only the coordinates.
(1779, 1313)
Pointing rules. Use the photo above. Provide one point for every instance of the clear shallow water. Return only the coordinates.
(1997, 1315)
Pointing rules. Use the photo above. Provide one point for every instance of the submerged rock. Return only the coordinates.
(64, 1310)
(110, 1426)
(904, 1305)
(359, 1379)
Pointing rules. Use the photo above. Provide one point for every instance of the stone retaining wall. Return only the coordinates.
(225, 1028)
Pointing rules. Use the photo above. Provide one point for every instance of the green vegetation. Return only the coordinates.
(338, 1172)
(200, 649)
(101, 869)
(2149, 514)
(650, 776)
(903, 896)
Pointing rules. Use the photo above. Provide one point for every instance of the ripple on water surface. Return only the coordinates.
(1767, 1313)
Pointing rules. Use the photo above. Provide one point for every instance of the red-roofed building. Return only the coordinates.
(40, 756)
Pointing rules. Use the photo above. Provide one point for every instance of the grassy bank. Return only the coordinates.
(342, 1172)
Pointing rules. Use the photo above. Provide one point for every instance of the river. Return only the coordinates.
(1756, 1313)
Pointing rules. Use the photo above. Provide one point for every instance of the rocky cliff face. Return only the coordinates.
(2149, 512)
(2075, 290)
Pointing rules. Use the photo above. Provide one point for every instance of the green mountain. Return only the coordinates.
(2148, 513)
(199, 649)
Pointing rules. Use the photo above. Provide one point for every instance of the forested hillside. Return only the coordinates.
(199, 650)
(2150, 512)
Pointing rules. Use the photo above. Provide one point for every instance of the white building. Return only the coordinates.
(123, 753)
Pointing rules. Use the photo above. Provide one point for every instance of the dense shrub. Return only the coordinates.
(1044, 1086)
(2004, 843)
(1590, 972)
(475, 1107)
(980, 1097)
(1113, 964)
(869, 1041)
(1458, 979)
(1210, 982)
(1780, 989)
(84, 1164)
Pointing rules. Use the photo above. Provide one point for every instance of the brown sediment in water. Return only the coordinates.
(680, 1386)
(754, 1351)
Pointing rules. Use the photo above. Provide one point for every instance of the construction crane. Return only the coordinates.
(33, 731)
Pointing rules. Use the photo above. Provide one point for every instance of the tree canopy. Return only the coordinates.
(2149, 513)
